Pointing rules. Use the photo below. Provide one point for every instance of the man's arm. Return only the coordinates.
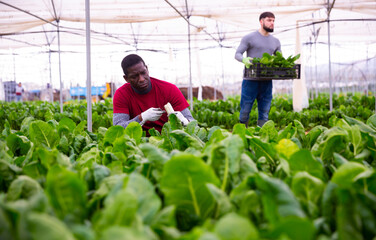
(122, 119)
(241, 49)
(187, 114)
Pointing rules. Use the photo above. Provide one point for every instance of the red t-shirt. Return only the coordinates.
(126, 100)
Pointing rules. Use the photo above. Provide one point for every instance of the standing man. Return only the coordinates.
(256, 44)
(19, 91)
(142, 98)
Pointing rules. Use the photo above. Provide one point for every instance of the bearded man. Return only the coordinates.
(256, 44)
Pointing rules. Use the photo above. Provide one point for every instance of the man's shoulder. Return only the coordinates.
(252, 34)
(123, 90)
(161, 83)
(274, 37)
(124, 87)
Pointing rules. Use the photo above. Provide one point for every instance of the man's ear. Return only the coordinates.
(125, 78)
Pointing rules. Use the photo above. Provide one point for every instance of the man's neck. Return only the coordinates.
(263, 32)
(143, 92)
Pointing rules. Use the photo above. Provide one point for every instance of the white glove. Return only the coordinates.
(152, 114)
(182, 119)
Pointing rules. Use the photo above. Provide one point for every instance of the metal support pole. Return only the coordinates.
(190, 97)
(330, 64)
(61, 82)
(88, 66)
(50, 91)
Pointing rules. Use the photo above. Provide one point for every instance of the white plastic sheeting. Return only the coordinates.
(157, 29)
(156, 22)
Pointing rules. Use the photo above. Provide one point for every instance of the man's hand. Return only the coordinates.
(152, 114)
(182, 119)
(247, 61)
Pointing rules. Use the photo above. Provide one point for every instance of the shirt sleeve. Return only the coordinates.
(123, 120)
(120, 103)
(177, 99)
(241, 49)
(187, 114)
(278, 47)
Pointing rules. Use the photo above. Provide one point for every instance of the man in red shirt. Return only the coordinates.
(142, 98)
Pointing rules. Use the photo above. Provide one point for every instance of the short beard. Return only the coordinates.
(268, 29)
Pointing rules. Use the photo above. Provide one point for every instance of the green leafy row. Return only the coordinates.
(226, 113)
(12, 114)
(59, 181)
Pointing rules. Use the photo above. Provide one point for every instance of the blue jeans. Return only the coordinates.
(18, 98)
(251, 90)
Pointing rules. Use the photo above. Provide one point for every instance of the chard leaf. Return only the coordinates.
(233, 226)
(348, 218)
(303, 160)
(120, 209)
(88, 158)
(224, 204)
(184, 185)
(308, 189)
(165, 217)
(287, 132)
(184, 140)
(247, 201)
(339, 160)
(240, 130)
(43, 134)
(329, 202)
(277, 198)
(19, 145)
(105, 188)
(25, 125)
(362, 126)
(356, 139)
(67, 122)
(262, 149)
(131, 233)
(134, 131)
(8, 172)
(156, 156)
(45, 227)
(175, 122)
(372, 121)
(23, 187)
(49, 158)
(112, 134)
(247, 166)
(346, 173)
(294, 228)
(148, 201)
(268, 133)
(314, 134)
(225, 157)
(218, 134)
(191, 127)
(80, 127)
(67, 194)
(333, 140)
(285, 148)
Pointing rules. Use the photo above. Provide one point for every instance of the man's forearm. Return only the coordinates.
(187, 114)
(123, 120)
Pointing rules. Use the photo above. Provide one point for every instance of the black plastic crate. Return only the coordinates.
(259, 72)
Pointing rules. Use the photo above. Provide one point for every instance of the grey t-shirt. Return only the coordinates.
(256, 44)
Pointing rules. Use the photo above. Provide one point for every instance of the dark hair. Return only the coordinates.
(266, 14)
(129, 61)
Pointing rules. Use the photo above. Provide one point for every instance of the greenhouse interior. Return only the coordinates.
(70, 169)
